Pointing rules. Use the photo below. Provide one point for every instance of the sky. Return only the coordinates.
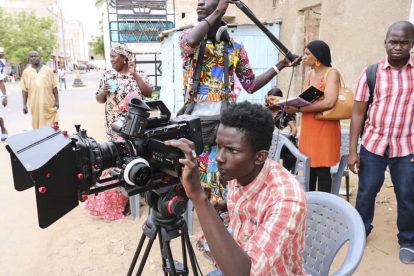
(85, 11)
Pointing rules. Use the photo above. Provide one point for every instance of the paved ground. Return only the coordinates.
(82, 245)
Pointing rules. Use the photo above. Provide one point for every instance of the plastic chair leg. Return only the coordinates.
(347, 187)
(134, 203)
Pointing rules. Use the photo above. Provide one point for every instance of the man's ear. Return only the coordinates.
(261, 157)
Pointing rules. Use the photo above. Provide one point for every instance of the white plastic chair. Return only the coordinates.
(330, 223)
(341, 169)
(302, 161)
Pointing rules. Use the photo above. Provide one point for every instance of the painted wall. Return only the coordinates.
(259, 49)
(354, 29)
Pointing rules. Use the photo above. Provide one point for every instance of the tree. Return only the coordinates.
(100, 3)
(97, 43)
(23, 33)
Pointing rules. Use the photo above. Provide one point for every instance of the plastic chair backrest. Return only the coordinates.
(302, 161)
(330, 222)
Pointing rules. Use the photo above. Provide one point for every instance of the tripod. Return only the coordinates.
(166, 227)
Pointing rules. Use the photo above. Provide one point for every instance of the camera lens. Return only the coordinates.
(137, 172)
(140, 174)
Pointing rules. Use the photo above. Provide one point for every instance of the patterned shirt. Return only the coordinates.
(391, 115)
(115, 101)
(268, 219)
(211, 79)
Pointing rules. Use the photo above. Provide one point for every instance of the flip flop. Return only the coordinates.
(200, 243)
(4, 136)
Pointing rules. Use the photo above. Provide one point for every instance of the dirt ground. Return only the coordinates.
(79, 244)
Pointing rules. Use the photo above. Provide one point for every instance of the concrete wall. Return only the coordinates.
(354, 29)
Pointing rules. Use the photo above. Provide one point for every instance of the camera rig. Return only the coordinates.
(65, 169)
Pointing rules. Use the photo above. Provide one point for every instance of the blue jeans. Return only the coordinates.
(60, 84)
(216, 273)
(371, 177)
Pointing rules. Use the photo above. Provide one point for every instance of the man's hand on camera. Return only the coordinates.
(190, 177)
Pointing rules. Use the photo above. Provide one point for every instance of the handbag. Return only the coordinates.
(208, 112)
(344, 105)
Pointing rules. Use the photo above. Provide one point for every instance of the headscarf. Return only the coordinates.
(321, 51)
(122, 49)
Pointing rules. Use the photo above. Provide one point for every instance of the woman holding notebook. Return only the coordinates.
(320, 139)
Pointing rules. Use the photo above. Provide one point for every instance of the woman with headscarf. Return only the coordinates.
(127, 82)
(320, 139)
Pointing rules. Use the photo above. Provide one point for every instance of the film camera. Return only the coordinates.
(65, 169)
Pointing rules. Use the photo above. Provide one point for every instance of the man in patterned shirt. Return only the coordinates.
(267, 205)
(210, 13)
(388, 138)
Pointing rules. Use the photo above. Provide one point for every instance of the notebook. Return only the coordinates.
(307, 97)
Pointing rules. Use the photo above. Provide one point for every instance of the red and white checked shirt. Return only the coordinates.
(391, 115)
(268, 218)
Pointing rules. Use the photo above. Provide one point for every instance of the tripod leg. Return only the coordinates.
(164, 263)
(170, 258)
(134, 260)
(145, 257)
(184, 253)
(191, 254)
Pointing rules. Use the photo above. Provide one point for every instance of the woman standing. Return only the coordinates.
(123, 80)
(126, 79)
(319, 139)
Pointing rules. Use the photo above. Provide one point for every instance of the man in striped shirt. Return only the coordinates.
(267, 206)
(388, 137)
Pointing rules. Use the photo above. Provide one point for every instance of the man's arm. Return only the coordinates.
(267, 76)
(25, 96)
(3, 90)
(293, 128)
(56, 94)
(357, 120)
(231, 259)
(197, 34)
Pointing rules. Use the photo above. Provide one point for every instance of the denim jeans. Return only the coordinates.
(216, 273)
(60, 84)
(371, 178)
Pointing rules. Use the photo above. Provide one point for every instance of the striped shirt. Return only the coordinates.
(268, 219)
(391, 115)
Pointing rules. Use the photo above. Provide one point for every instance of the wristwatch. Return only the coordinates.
(298, 109)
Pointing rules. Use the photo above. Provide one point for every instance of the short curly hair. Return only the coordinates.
(255, 121)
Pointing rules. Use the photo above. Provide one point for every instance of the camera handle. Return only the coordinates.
(259, 24)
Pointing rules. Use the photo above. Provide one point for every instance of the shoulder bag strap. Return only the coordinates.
(326, 74)
(200, 61)
(226, 67)
(371, 81)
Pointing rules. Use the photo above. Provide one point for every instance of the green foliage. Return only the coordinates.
(22, 33)
(97, 44)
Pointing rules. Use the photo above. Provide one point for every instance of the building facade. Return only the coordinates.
(42, 8)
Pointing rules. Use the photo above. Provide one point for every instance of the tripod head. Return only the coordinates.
(167, 202)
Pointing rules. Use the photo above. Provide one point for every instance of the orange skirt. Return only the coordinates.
(320, 140)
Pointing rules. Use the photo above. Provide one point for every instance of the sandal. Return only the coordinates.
(208, 256)
(200, 243)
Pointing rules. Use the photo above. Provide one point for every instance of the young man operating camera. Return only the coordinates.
(267, 205)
